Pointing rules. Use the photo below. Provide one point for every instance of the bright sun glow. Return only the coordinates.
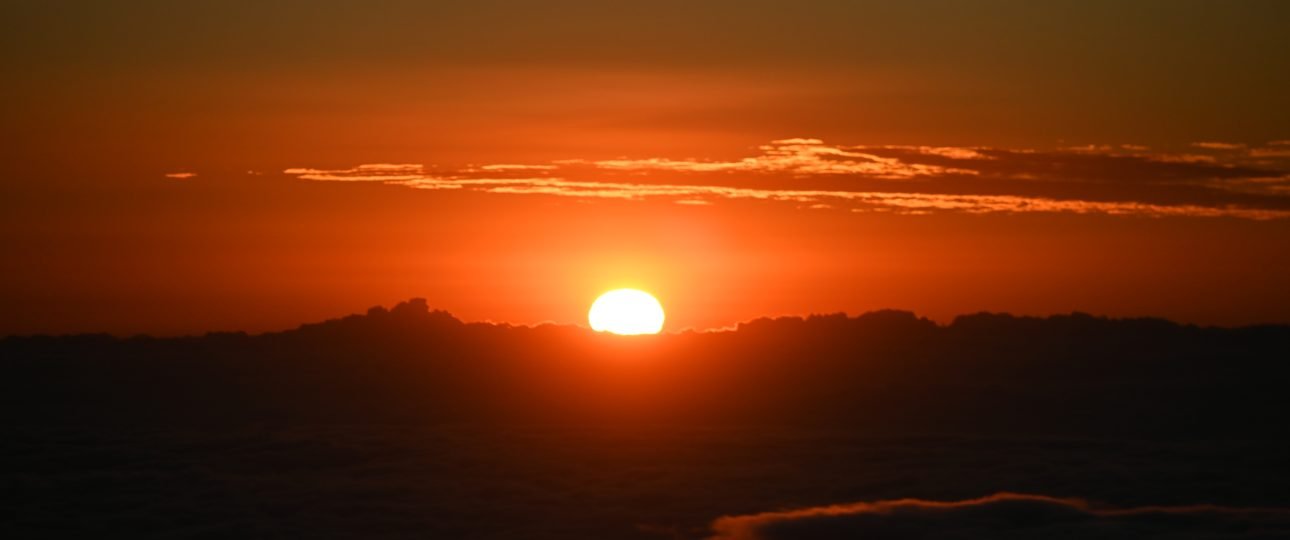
(626, 312)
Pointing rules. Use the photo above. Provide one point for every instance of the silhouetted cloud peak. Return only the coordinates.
(885, 370)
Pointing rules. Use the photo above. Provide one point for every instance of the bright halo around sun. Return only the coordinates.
(627, 312)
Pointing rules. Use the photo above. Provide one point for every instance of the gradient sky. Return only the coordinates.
(183, 167)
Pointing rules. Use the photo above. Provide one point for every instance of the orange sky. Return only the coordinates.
(178, 169)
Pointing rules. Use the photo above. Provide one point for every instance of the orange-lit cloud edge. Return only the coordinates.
(1213, 179)
(997, 515)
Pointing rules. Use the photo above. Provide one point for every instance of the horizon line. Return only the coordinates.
(424, 308)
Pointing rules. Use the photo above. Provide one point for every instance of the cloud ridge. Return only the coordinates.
(1005, 516)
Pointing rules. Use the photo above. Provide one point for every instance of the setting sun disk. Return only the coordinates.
(626, 312)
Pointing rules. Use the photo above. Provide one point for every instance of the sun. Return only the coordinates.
(627, 312)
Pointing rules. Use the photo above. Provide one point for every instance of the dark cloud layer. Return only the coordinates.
(888, 371)
(634, 482)
(1006, 516)
(407, 423)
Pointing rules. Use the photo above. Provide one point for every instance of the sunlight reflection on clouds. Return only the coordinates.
(1229, 168)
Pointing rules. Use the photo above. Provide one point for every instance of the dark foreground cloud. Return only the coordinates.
(409, 423)
(1005, 516)
(886, 371)
(418, 481)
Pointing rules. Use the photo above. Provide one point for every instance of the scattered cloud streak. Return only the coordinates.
(1005, 515)
(1215, 145)
(1230, 180)
(180, 175)
(800, 157)
(371, 172)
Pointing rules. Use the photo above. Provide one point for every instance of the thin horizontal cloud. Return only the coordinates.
(795, 156)
(371, 172)
(1091, 148)
(513, 167)
(1276, 186)
(181, 175)
(1186, 158)
(863, 179)
(1279, 151)
(1005, 515)
(1216, 145)
(1213, 152)
(1271, 153)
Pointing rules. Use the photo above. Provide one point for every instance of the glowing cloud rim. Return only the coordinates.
(1260, 172)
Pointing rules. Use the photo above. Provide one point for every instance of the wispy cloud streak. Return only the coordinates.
(795, 156)
(785, 163)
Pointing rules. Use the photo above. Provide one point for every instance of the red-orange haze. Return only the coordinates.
(177, 169)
